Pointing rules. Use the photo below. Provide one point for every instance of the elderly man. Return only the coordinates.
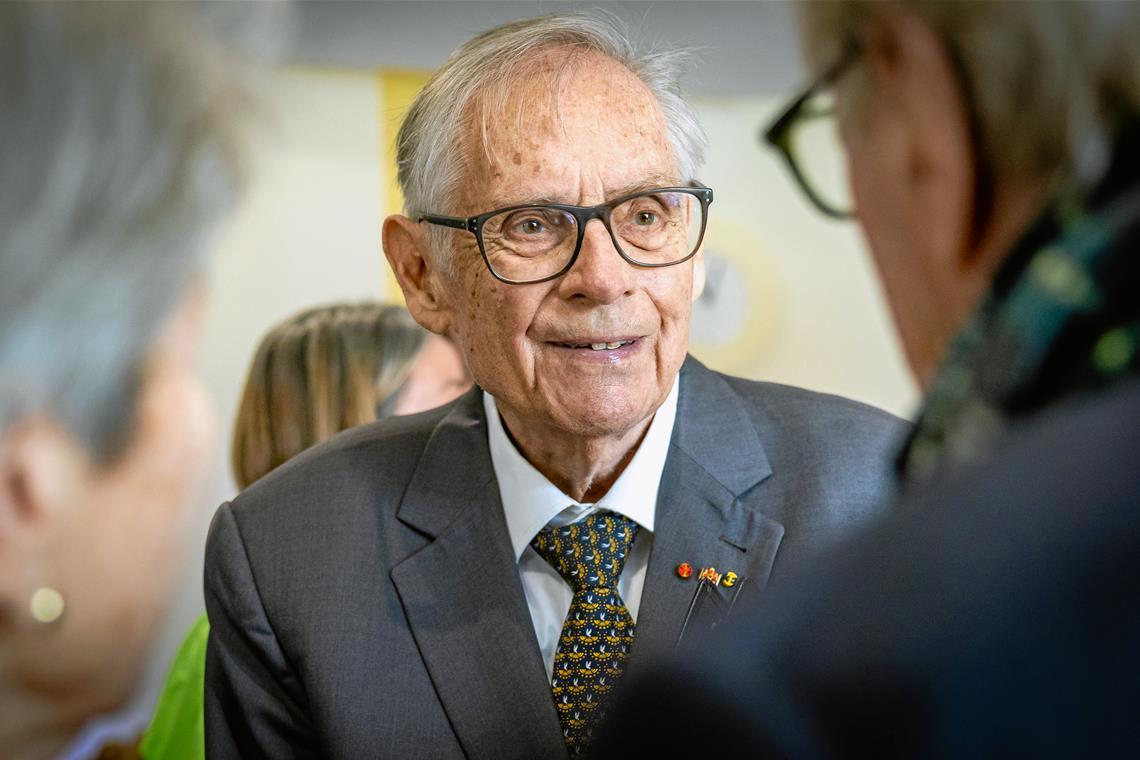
(467, 582)
(996, 174)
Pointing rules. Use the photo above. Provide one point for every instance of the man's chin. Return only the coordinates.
(602, 420)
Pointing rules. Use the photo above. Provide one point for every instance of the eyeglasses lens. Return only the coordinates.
(818, 154)
(533, 243)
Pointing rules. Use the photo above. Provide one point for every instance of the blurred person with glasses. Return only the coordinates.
(993, 150)
(805, 134)
(473, 581)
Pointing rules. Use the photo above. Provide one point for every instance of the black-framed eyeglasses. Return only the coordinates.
(541, 241)
(804, 135)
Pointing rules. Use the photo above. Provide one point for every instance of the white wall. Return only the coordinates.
(309, 230)
(828, 328)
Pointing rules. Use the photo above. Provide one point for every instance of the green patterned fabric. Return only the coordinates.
(598, 632)
(1062, 319)
(176, 731)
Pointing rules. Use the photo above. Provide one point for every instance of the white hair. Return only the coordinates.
(431, 151)
(118, 154)
(1052, 83)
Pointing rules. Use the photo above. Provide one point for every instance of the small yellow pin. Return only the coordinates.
(729, 579)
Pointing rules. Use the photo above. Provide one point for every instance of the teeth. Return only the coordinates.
(598, 346)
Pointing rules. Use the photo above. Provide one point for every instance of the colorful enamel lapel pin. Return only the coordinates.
(728, 580)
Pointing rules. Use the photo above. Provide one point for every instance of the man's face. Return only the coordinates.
(529, 345)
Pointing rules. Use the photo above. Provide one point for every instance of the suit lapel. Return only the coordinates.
(464, 601)
(715, 456)
(462, 596)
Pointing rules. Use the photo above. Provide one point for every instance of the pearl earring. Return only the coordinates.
(46, 605)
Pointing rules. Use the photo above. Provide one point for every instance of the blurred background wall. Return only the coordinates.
(792, 296)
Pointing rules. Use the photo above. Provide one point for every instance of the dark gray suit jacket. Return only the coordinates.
(364, 600)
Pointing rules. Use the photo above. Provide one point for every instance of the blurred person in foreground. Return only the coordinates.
(321, 371)
(994, 155)
(118, 157)
(468, 582)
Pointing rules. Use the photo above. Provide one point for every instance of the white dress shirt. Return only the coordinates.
(531, 502)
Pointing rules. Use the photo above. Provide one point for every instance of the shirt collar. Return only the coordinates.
(530, 501)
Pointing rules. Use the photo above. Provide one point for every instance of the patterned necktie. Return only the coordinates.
(598, 632)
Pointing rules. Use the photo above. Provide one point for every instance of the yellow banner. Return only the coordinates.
(398, 87)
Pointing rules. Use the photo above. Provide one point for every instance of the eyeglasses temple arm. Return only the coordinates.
(446, 221)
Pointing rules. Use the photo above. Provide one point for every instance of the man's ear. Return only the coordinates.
(406, 247)
(699, 274)
(911, 62)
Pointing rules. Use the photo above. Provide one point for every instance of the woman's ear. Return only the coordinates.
(406, 247)
(40, 466)
(41, 471)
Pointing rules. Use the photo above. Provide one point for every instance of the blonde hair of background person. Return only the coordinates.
(334, 367)
(119, 155)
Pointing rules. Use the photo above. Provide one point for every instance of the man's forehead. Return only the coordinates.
(563, 71)
(560, 120)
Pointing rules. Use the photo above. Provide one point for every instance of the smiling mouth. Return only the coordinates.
(599, 346)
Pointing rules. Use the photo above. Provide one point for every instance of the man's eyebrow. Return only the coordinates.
(530, 200)
(647, 183)
(651, 182)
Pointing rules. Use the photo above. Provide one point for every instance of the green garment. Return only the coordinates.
(176, 731)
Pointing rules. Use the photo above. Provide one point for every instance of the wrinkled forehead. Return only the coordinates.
(562, 112)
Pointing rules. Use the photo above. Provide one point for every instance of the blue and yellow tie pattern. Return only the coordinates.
(598, 632)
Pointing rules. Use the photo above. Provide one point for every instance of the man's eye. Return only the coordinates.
(645, 218)
(531, 227)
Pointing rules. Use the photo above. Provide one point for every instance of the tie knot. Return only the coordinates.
(590, 553)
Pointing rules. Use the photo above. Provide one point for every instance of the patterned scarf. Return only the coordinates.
(1061, 319)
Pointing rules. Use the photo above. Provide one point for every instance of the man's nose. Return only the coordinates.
(600, 273)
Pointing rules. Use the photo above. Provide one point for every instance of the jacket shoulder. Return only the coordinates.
(367, 465)
(818, 415)
(832, 458)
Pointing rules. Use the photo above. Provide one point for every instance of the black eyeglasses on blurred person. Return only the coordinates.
(541, 241)
(805, 136)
